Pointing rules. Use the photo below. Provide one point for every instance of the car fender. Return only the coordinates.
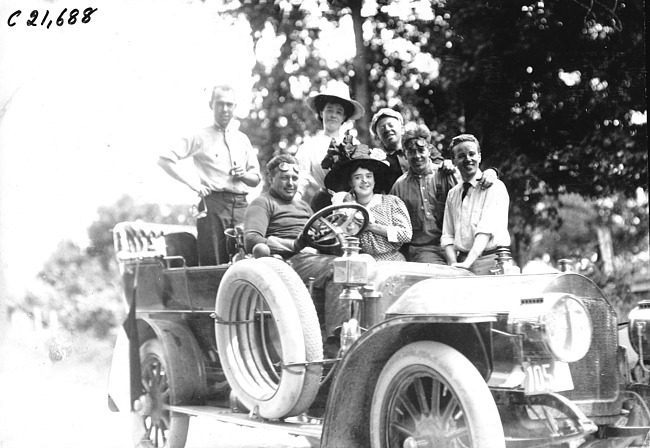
(119, 375)
(358, 371)
(178, 344)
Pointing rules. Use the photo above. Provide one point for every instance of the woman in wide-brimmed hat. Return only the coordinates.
(334, 107)
(367, 180)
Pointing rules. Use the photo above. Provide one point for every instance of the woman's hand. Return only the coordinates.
(340, 197)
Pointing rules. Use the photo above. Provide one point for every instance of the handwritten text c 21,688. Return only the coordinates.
(65, 17)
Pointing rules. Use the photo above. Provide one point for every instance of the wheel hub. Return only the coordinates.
(428, 425)
(428, 433)
(143, 405)
(417, 442)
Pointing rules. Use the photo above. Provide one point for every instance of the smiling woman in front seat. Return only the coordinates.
(366, 180)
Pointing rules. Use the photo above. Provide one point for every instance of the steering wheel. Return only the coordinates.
(328, 228)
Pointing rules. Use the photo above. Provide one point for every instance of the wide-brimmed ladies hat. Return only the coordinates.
(338, 92)
(338, 179)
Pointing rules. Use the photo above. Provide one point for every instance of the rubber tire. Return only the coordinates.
(295, 337)
(152, 351)
(428, 359)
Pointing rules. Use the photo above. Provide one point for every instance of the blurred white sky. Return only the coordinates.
(88, 107)
(91, 106)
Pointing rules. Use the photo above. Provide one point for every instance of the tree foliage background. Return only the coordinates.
(552, 89)
(548, 87)
(81, 285)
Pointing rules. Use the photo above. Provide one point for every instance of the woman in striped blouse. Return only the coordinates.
(365, 180)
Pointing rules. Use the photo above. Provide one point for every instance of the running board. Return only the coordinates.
(313, 430)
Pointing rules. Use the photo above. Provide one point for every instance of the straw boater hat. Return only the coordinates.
(340, 93)
(338, 179)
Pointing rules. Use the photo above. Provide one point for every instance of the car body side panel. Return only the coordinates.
(145, 279)
(192, 289)
(487, 294)
(391, 279)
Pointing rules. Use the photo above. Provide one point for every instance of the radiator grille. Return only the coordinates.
(595, 377)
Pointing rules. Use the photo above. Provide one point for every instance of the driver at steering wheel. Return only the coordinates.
(277, 218)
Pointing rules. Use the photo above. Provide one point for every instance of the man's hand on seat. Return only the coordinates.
(285, 245)
(261, 250)
(299, 243)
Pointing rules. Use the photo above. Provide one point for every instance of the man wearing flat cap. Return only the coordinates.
(388, 125)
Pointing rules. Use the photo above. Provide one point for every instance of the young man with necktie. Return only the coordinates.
(475, 220)
(423, 188)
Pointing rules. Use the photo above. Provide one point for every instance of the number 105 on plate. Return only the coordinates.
(543, 376)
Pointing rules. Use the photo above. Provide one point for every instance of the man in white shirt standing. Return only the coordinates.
(476, 220)
(226, 165)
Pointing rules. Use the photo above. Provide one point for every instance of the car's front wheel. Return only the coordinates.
(429, 395)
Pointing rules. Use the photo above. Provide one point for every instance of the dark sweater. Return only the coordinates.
(270, 215)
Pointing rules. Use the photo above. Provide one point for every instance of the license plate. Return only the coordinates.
(543, 376)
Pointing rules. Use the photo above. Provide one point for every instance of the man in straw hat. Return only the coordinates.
(226, 165)
(334, 107)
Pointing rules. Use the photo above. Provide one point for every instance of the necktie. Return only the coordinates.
(466, 186)
(221, 142)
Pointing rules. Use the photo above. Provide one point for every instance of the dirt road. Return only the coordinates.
(62, 404)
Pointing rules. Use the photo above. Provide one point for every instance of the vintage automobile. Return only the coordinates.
(432, 356)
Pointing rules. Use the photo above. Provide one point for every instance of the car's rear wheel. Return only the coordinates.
(266, 320)
(429, 395)
(155, 426)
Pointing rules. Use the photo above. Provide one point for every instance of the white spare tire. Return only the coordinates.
(265, 320)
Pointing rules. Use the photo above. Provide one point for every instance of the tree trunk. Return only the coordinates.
(606, 249)
(360, 81)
